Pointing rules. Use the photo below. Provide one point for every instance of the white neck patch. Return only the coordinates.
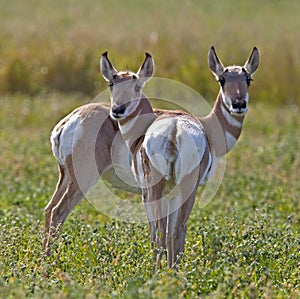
(230, 141)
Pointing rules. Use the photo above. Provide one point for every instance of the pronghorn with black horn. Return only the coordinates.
(175, 152)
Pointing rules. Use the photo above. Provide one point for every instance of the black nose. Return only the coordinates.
(118, 110)
(239, 104)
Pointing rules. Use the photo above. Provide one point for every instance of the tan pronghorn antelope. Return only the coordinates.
(83, 143)
(175, 152)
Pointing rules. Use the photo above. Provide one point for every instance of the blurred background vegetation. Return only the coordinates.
(55, 45)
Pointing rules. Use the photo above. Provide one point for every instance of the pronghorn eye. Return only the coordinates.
(221, 80)
(137, 88)
(248, 80)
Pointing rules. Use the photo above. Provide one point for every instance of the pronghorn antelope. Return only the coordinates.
(175, 152)
(82, 143)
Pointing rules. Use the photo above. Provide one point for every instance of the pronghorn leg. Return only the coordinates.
(70, 199)
(61, 188)
(160, 241)
(174, 204)
(181, 200)
(180, 233)
(150, 216)
(171, 222)
(155, 207)
(64, 203)
(59, 213)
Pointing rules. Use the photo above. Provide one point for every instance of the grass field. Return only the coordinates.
(244, 244)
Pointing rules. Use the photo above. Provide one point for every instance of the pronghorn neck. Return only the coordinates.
(134, 126)
(222, 141)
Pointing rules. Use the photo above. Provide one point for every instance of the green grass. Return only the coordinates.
(244, 243)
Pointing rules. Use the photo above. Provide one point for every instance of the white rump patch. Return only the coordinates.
(157, 145)
(192, 143)
(65, 136)
(176, 144)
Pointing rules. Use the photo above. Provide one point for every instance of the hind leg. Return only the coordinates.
(78, 178)
(179, 235)
(70, 199)
(155, 207)
(181, 201)
(61, 188)
(180, 227)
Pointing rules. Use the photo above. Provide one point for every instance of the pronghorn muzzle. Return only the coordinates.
(239, 105)
(118, 111)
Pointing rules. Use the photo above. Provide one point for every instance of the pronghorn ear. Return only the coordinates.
(252, 63)
(146, 70)
(106, 67)
(214, 63)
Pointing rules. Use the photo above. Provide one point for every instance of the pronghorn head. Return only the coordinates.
(234, 80)
(125, 87)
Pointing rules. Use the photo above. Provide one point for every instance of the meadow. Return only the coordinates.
(244, 244)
